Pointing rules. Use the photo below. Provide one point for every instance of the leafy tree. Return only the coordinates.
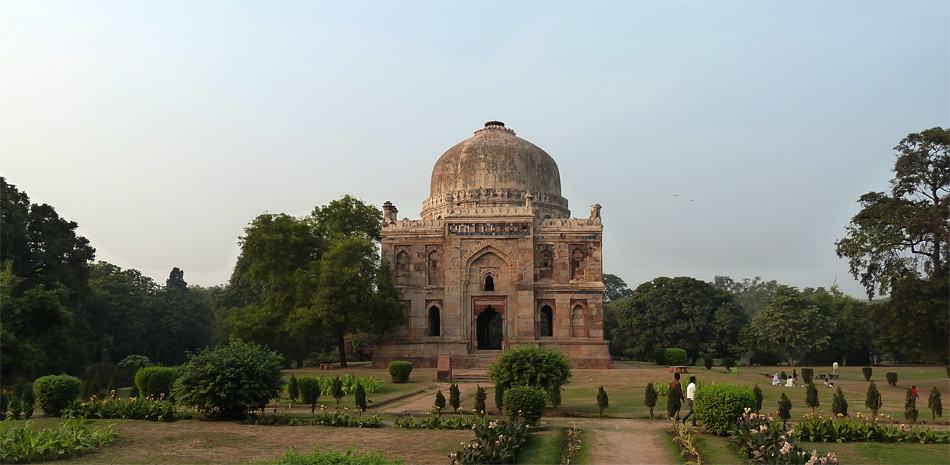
(899, 244)
(480, 397)
(615, 288)
(873, 399)
(439, 402)
(122, 309)
(853, 332)
(839, 405)
(678, 312)
(455, 397)
(910, 407)
(757, 393)
(336, 389)
(602, 401)
(791, 323)
(935, 404)
(785, 408)
(229, 381)
(752, 295)
(811, 397)
(649, 398)
(319, 274)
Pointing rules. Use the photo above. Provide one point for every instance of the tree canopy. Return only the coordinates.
(317, 274)
(678, 312)
(791, 324)
(899, 244)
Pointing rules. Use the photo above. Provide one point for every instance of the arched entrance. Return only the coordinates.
(489, 329)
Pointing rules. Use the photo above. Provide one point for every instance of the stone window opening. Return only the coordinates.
(402, 268)
(545, 265)
(435, 321)
(577, 264)
(434, 272)
(577, 321)
(489, 284)
(546, 321)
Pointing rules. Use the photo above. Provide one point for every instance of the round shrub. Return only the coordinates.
(719, 406)
(867, 373)
(675, 357)
(229, 381)
(400, 370)
(807, 375)
(708, 361)
(891, 378)
(728, 362)
(155, 381)
(659, 355)
(527, 401)
(55, 393)
(531, 365)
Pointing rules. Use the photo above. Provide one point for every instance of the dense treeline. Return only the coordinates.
(61, 311)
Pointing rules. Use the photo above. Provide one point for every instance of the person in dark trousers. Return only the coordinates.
(690, 394)
(675, 396)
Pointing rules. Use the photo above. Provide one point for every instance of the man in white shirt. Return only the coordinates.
(690, 394)
(834, 369)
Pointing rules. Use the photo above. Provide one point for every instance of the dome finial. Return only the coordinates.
(494, 123)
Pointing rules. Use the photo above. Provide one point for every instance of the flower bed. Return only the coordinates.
(863, 429)
(496, 442)
(437, 422)
(21, 444)
(148, 409)
(765, 441)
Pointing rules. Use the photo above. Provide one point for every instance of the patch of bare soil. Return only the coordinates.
(631, 442)
(193, 441)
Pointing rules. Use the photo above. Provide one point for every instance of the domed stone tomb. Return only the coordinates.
(496, 261)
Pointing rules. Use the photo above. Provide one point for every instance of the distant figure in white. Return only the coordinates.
(834, 369)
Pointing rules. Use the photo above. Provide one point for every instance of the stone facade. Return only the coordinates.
(495, 262)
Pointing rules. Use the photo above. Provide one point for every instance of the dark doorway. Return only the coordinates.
(435, 322)
(546, 321)
(489, 283)
(489, 329)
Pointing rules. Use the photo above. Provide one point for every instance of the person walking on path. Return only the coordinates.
(834, 370)
(674, 397)
(690, 394)
(913, 392)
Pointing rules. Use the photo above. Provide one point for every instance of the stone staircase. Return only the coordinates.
(473, 368)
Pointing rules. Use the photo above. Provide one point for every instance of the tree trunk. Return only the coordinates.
(791, 360)
(340, 343)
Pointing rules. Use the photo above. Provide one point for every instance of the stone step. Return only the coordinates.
(471, 376)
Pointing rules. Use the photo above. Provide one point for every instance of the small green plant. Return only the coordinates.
(554, 396)
(873, 399)
(333, 457)
(757, 392)
(675, 357)
(55, 393)
(526, 402)
(480, 397)
(811, 397)
(455, 397)
(399, 371)
(910, 407)
(891, 378)
(708, 361)
(68, 439)
(309, 391)
(719, 406)
(439, 402)
(336, 390)
(359, 397)
(935, 404)
(602, 400)
(867, 373)
(649, 398)
(784, 409)
(293, 391)
(839, 406)
(155, 381)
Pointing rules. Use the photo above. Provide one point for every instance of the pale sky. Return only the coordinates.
(721, 138)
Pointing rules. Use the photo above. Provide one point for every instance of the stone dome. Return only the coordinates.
(495, 168)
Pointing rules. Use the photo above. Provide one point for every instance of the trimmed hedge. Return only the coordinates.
(659, 355)
(56, 393)
(719, 406)
(675, 357)
(399, 370)
(708, 361)
(807, 375)
(728, 362)
(867, 373)
(891, 378)
(526, 401)
(155, 381)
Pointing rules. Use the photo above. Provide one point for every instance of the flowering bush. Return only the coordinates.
(148, 409)
(495, 442)
(765, 441)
